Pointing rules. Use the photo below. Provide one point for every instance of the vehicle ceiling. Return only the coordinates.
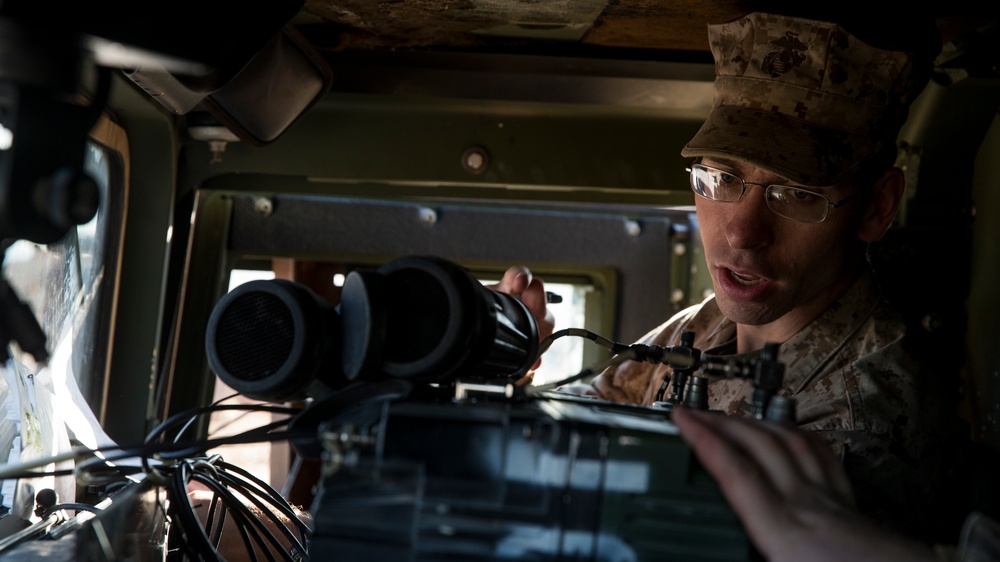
(638, 50)
(650, 29)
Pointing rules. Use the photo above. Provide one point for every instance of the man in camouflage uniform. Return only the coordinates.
(794, 175)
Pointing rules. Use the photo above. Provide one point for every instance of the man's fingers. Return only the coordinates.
(518, 282)
(815, 459)
(745, 483)
(514, 281)
(535, 299)
(791, 459)
(805, 452)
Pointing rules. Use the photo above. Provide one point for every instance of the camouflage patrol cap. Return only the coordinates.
(802, 98)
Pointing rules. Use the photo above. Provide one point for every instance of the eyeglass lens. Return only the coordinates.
(787, 201)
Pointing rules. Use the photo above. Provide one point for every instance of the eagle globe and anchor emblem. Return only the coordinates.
(790, 55)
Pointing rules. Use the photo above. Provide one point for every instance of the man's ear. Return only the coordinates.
(887, 191)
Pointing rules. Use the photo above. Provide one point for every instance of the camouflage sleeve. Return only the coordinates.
(630, 383)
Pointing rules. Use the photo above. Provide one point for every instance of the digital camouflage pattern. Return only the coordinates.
(802, 98)
(854, 381)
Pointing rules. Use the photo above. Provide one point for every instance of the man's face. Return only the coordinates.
(766, 267)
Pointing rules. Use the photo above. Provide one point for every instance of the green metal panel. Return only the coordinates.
(565, 151)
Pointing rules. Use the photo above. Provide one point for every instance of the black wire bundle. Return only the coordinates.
(268, 526)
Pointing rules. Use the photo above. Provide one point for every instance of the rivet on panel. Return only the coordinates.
(428, 216)
(475, 159)
(264, 206)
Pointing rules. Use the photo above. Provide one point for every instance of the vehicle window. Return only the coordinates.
(66, 284)
(69, 287)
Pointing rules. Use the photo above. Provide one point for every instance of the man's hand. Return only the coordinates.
(789, 490)
(519, 283)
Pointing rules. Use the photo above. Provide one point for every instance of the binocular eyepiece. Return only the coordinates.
(420, 318)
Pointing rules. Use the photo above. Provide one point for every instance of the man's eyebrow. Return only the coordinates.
(729, 163)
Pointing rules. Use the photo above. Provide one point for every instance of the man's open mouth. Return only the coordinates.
(745, 280)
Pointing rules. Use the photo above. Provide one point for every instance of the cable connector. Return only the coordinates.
(678, 356)
(647, 353)
(767, 379)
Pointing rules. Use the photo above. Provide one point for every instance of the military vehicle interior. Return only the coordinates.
(154, 161)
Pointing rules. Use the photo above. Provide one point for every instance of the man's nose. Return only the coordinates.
(750, 221)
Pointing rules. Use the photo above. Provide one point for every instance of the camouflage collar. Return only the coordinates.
(807, 353)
